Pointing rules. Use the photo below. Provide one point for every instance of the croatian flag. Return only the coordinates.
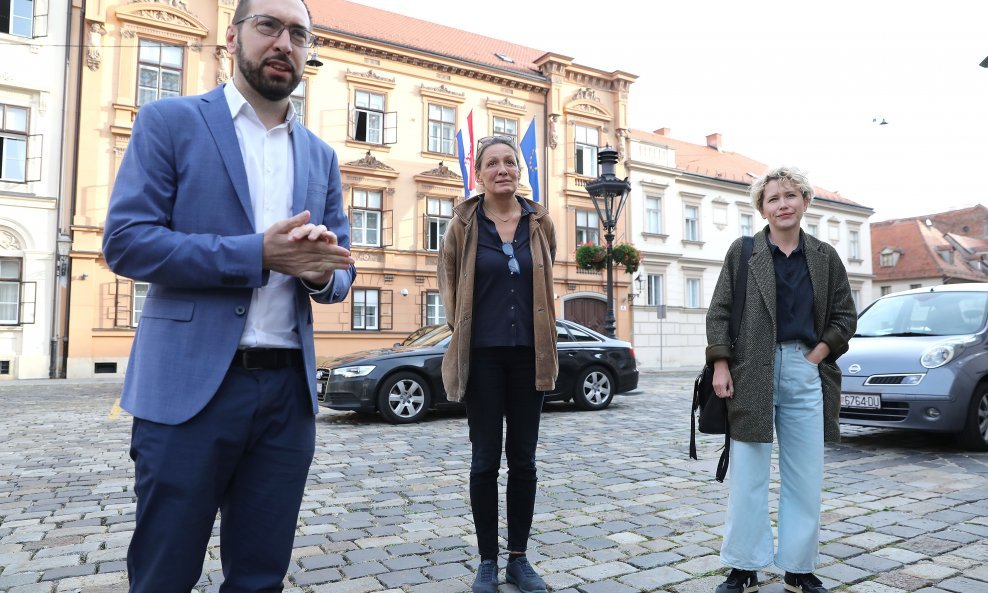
(465, 157)
(529, 154)
(464, 171)
(473, 182)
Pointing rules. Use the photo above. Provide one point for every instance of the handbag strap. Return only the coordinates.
(740, 292)
(740, 288)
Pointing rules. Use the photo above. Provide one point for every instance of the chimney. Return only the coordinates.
(713, 141)
(663, 131)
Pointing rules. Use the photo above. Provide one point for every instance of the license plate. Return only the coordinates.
(854, 400)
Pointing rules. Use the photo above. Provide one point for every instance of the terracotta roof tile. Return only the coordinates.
(389, 27)
(919, 245)
(721, 164)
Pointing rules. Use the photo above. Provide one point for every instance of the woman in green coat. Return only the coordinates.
(780, 378)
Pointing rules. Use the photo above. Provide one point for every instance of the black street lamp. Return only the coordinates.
(609, 195)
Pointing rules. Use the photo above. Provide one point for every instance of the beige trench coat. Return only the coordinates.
(457, 259)
(752, 362)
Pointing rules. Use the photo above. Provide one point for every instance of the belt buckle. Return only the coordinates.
(245, 360)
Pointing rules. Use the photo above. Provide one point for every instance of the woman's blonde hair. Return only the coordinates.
(784, 175)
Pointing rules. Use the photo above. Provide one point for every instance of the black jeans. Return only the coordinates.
(502, 387)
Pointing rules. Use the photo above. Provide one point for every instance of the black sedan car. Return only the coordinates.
(404, 382)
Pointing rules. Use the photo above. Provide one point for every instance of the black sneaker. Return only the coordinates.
(803, 583)
(739, 581)
(486, 581)
(521, 574)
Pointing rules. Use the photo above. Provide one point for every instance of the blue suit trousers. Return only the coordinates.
(246, 455)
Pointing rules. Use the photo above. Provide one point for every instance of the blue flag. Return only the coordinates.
(463, 163)
(529, 153)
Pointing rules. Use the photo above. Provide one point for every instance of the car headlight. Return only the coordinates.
(942, 353)
(354, 371)
(320, 374)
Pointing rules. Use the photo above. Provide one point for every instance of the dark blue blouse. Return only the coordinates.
(793, 295)
(502, 301)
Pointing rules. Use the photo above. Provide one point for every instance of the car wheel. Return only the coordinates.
(594, 390)
(404, 398)
(975, 434)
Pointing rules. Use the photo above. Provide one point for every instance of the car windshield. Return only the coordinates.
(925, 314)
(427, 338)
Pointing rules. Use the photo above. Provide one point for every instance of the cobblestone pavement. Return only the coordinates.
(620, 506)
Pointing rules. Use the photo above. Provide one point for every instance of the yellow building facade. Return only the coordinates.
(390, 100)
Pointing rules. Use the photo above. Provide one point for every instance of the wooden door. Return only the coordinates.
(586, 311)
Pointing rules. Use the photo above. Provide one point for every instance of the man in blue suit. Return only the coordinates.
(233, 212)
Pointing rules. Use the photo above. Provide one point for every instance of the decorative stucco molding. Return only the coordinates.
(369, 161)
(94, 49)
(9, 241)
(442, 171)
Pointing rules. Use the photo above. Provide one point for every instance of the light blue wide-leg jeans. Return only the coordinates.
(798, 408)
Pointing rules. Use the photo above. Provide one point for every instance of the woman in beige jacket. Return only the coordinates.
(495, 277)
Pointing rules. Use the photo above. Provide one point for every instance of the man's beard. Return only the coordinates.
(272, 90)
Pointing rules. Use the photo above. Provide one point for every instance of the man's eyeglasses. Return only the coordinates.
(272, 27)
(509, 250)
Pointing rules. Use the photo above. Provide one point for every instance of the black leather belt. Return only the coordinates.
(256, 359)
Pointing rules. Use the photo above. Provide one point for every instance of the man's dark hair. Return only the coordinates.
(243, 9)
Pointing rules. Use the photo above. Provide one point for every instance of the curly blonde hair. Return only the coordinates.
(784, 175)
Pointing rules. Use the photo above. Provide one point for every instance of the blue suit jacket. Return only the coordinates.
(180, 217)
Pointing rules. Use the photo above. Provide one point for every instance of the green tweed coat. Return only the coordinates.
(752, 361)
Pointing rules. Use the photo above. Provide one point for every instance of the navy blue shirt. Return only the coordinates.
(793, 295)
(503, 302)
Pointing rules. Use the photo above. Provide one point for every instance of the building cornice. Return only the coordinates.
(374, 48)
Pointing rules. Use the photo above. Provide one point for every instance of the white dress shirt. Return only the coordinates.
(269, 160)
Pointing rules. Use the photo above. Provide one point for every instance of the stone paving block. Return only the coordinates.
(402, 578)
(43, 564)
(701, 565)
(405, 563)
(23, 578)
(33, 588)
(900, 555)
(323, 561)
(447, 586)
(363, 555)
(564, 564)
(901, 580)
(606, 570)
(448, 555)
(108, 581)
(448, 571)
(956, 535)
(929, 545)
(559, 581)
(558, 537)
(363, 569)
(314, 577)
(364, 585)
(840, 550)
(116, 566)
(609, 586)
(964, 585)
(979, 572)
(873, 563)
(930, 571)
(843, 573)
(56, 574)
(873, 587)
(655, 578)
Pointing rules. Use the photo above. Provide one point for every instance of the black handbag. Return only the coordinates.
(712, 409)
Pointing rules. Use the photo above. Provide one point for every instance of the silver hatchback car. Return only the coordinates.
(920, 361)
